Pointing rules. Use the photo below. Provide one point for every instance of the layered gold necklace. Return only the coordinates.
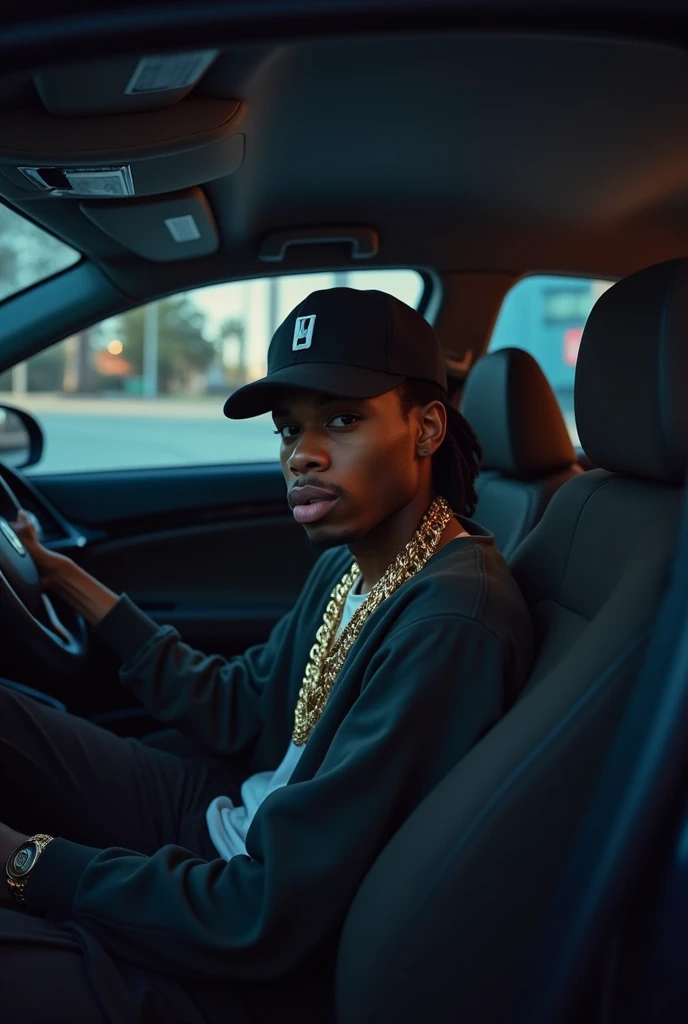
(324, 664)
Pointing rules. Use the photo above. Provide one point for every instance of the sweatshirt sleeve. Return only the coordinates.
(213, 700)
(311, 843)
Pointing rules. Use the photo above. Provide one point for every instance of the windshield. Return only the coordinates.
(28, 254)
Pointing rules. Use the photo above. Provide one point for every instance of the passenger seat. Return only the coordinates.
(527, 452)
(444, 926)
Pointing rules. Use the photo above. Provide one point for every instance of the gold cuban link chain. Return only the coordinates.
(324, 664)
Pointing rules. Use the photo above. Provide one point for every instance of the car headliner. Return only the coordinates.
(498, 152)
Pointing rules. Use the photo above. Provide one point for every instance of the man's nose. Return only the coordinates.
(308, 454)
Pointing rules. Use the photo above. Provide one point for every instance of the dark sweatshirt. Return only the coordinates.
(433, 668)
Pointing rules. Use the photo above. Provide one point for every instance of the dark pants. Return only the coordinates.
(65, 776)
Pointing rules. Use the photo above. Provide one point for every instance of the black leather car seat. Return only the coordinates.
(527, 452)
(444, 924)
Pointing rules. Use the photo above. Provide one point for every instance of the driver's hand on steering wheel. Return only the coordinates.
(62, 577)
(48, 563)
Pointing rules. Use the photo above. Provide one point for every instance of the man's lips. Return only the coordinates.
(311, 503)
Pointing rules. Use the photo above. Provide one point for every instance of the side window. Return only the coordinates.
(28, 254)
(145, 389)
(546, 316)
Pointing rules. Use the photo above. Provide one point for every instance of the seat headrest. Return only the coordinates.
(632, 376)
(511, 407)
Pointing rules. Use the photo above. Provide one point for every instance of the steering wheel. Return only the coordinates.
(55, 641)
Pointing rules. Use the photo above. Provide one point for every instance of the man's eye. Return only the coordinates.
(345, 419)
(287, 431)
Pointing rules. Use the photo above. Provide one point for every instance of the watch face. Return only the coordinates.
(22, 860)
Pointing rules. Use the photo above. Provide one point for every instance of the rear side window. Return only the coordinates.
(546, 316)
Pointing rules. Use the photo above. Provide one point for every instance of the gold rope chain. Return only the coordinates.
(324, 664)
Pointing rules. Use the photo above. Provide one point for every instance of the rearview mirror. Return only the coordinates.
(21, 438)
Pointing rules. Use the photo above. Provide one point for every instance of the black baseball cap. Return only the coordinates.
(343, 341)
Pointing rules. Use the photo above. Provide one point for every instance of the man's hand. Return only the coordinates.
(9, 839)
(62, 577)
(49, 564)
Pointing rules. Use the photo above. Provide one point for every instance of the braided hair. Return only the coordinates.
(456, 463)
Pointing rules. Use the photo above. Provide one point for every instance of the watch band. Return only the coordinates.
(21, 863)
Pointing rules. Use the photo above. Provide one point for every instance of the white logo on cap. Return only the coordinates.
(303, 332)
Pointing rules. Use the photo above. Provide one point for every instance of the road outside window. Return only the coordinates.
(546, 316)
(146, 389)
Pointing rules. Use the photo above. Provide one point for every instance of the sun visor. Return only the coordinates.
(140, 154)
(172, 227)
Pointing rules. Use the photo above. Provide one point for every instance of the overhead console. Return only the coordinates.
(129, 140)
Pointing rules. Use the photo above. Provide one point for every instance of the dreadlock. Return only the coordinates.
(456, 463)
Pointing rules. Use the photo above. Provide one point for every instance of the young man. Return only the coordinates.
(160, 887)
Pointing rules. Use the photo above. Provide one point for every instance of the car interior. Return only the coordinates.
(476, 149)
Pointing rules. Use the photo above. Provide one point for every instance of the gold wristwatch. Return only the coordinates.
(21, 863)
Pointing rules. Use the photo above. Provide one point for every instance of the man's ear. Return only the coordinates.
(432, 422)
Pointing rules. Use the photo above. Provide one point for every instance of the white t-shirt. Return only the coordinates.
(228, 824)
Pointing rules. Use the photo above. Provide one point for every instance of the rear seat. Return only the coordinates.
(527, 452)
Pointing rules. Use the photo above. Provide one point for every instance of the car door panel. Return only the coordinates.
(121, 496)
(213, 551)
(215, 579)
